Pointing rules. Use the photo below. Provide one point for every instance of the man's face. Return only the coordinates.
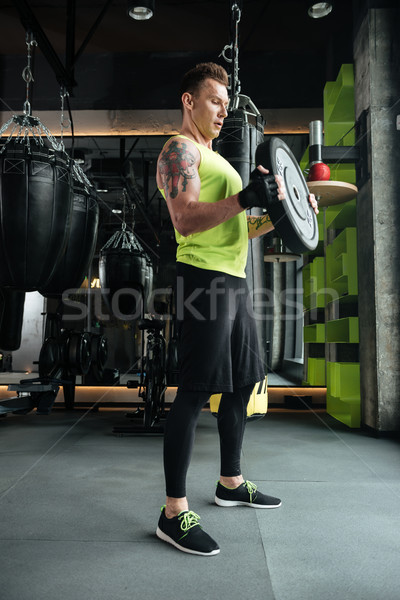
(209, 108)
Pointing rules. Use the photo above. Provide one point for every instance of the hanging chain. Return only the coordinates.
(233, 48)
(25, 127)
(237, 100)
(133, 217)
(123, 238)
(64, 123)
(235, 83)
(123, 208)
(27, 72)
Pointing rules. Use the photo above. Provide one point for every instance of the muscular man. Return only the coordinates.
(218, 349)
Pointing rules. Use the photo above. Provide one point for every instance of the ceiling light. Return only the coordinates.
(116, 211)
(317, 10)
(141, 10)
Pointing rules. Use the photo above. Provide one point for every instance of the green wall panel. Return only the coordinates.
(337, 269)
(343, 392)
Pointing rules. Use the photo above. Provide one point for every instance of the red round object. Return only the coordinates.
(319, 172)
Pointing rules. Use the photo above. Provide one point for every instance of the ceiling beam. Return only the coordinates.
(30, 23)
(92, 30)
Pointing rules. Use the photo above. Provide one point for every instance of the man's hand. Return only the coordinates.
(278, 180)
(314, 203)
(262, 190)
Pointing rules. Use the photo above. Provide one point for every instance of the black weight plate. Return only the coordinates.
(86, 355)
(50, 358)
(293, 218)
(99, 354)
(79, 356)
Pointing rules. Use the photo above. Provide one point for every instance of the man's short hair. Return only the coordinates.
(193, 79)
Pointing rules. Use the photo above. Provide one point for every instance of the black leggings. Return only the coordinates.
(180, 430)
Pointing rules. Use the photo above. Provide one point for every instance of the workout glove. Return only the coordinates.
(261, 191)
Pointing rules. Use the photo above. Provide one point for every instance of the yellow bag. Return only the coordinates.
(258, 404)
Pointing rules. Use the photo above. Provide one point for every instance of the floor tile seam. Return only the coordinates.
(77, 541)
(338, 482)
(22, 453)
(347, 445)
(264, 549)
(258, 480)
(368, 470)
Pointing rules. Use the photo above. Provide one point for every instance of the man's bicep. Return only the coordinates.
(177, 169)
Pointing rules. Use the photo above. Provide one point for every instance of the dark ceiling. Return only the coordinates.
(285, 58)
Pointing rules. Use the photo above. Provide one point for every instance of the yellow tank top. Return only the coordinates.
(224, 247)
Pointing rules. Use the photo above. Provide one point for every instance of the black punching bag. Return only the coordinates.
(237, 143)
(35, 208)
(125, 273)
(81, 243)
(11, 318)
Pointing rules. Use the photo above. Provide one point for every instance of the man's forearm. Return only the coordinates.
(193, 217)
(258, 225)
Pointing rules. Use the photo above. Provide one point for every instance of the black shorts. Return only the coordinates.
(218, 345)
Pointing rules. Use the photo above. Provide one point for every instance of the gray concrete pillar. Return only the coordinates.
(377, 92)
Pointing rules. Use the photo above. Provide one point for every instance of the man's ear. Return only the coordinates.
(187, 100)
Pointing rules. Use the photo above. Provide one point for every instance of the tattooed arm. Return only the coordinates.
(178, 176)
(258, 225)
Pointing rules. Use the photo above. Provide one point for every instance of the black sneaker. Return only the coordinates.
(244, 495)
(185, 533)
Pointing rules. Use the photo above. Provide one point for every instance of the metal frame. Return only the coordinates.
(64, 74)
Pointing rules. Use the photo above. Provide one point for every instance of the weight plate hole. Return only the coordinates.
(296, 193)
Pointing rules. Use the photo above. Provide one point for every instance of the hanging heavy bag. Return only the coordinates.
(11, 318)
(81, 243)
(122, 274)
(36, 205)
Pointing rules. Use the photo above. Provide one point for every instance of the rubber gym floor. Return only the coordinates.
(79, 508)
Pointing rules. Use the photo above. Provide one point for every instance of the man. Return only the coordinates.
(218, 342)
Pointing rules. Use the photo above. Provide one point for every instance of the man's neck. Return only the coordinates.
(194, 134)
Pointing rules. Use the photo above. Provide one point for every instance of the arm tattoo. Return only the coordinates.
(176, 165)
(257, 222)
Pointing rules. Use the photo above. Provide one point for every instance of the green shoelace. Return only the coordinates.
(251, 488)
(188, 520)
